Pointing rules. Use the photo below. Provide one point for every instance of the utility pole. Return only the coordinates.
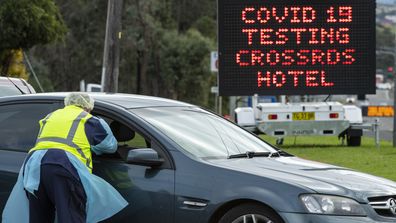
(111, 55)
(394, 97)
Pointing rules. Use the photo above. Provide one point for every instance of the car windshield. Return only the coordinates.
(8, 90)
(202, 133)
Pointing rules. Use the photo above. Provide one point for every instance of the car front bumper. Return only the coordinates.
(313, 218)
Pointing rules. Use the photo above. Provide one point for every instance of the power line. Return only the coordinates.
(32, 71)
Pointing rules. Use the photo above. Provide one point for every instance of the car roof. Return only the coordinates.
(128, 101)
(8, 86)
(7, 79)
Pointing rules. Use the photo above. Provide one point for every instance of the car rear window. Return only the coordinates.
(20, 124)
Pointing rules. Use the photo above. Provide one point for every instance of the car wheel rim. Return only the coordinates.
(252, 218)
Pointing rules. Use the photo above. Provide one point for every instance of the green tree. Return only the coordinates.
(385, 43)
(184, 66)
(187, 12)
(207, 26)
(16, 67)
(25, 23)
(385, 36)
(156, 58)
(168, 62)
(79, 56)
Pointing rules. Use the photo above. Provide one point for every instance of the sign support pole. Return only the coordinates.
(220, 106)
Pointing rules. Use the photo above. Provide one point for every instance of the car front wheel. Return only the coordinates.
(250, 213)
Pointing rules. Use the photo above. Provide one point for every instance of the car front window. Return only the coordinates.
(202, 133)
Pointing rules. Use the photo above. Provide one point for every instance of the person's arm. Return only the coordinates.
(100, 136)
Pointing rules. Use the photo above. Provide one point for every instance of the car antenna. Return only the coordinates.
(22, 92)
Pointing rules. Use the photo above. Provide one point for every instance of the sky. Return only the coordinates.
(388, 2)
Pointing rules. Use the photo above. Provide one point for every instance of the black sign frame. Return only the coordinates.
(280, 78)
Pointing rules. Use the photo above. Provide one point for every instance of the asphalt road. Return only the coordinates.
(386, 128)
(382, 97)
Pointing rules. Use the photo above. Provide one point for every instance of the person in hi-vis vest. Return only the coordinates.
(56, 180)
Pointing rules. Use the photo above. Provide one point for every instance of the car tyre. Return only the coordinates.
(253, 213)
(354, 140)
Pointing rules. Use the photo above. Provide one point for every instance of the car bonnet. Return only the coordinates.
(322, 178)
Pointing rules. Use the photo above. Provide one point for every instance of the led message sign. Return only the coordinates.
(288, 47)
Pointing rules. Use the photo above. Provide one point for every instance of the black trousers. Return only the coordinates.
(59, 194)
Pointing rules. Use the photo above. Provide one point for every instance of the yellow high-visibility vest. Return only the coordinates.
(65, 129)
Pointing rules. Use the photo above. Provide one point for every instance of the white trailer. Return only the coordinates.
(296, 119)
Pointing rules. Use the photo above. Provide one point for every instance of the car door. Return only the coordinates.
(149, 191)
(19, 126)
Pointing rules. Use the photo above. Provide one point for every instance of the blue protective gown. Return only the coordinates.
(103, 201)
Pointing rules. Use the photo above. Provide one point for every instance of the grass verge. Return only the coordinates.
(328, 149)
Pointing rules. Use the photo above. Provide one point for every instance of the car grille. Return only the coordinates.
(382, 206)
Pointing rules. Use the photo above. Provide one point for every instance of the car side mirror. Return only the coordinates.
(144, 157)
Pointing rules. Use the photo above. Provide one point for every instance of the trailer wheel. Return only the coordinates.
(354, 140)
(279, 141)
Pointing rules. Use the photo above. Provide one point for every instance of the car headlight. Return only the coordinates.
(331, 205)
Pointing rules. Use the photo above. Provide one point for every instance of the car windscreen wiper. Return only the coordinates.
(16, 86)
(282, 153)
(250, 154)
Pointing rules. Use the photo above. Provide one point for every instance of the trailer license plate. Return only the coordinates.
(303, 116)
